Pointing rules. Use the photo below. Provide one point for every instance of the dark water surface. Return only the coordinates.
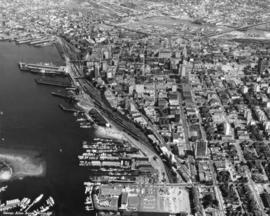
(33, 120)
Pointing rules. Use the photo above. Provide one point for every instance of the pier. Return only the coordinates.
(46, 69)
(50, 82)
(35, 41)
(68, 109)
(64, 95)
(24, 41)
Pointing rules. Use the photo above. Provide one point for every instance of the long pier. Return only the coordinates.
(24, 41)
(53, 83)
(35, 41)
(41, 41)
(42, 66)
(63, 95)
(68, 109)
(43, 69)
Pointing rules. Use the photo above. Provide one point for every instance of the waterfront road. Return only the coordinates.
(90, 97)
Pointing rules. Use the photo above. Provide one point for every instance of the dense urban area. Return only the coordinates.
(178, 94)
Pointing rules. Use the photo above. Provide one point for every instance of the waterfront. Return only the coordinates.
(32, 120)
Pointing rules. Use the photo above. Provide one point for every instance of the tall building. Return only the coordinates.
(2, 21)
(185, 69)
(263, 64)
(259, 70)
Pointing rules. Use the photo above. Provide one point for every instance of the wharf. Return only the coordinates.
(111, 181)
(53, 83)
(42, 66)
(64, 95)
(68, 109)
(44, 44)
(24, 40)
(41, 41)
(43, 69)
(34, 40)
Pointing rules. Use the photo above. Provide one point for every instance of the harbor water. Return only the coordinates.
(32, 120)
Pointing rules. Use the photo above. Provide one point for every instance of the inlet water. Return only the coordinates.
(32, 120)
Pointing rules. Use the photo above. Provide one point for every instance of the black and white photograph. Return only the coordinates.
(134, 107)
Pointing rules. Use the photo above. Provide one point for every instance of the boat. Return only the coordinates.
(34, 202)
(44, 209)
(13, 202)
(38, 198)
(88, 200)
(35, 213)
(89, 207)
(24, 203)
(76, 114)
(10, 204)
(71, 88)
(80, 157)
(81, 120)
(85, 126)
(86, 146)
(50, 201)
(2, 189)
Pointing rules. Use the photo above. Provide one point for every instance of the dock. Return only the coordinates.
(68, 109)
(41, 41)
(35, 41)
(64, 95)
(46, 69)
(24, 41)
(56, 83)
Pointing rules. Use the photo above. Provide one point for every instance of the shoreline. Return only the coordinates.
(115, 133)
(154, 159)
(86, 103)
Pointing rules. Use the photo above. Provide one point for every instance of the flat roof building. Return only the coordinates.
(170, 199)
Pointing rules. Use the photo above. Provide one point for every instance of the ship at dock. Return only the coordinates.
(113, 160)
(25, 206)
(43, 68)
(89, 206)
(36, 40)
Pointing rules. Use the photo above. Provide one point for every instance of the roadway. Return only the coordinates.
(153, 127)
(211, 163)
(254, 190)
